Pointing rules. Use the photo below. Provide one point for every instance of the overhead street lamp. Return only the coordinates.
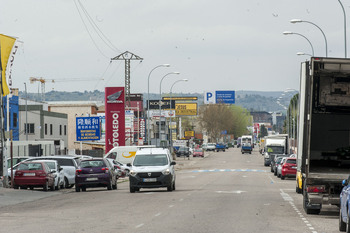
(344, 26)
(171, 132)
(294, 33)
(149, 75)
(304, 21)
(302, 53)
(160, 100)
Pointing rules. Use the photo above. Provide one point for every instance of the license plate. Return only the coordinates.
(91, 179)
(294, 167)
(149, 179)
(28, 174)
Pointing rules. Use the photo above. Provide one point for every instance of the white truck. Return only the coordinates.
(124, 154)
(275, 145)
(323, 156)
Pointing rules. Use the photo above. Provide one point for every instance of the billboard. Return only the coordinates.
(115, 117)
(219, 97)
(186, 109)
(88, 128)
(181, 98)
(165, 104)
(165, 113)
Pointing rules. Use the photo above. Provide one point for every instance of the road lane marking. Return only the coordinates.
(171, 206)
(234, 192)
(225, 170)
(158, 214)
(140, 225)
(290, 200)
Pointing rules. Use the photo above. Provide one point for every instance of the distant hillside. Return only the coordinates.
(251, 100)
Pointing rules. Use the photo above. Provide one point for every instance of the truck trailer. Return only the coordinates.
(323, 157)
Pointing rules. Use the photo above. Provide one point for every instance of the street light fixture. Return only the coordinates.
(294, 33)
(171, 132)
(302, 53)
(149, 75)
(304, 21)
(160, 100)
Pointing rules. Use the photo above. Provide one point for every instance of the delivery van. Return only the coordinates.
(124, 154)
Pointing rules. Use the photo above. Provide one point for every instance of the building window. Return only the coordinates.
(65, 130)
(60, 129)
(45, 129)
(50, 129)
(14, 120)
(29, 128)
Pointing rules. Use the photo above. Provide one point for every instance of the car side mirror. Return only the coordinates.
(173, 163)
(128, 164)
(345, 182)
(60, 169)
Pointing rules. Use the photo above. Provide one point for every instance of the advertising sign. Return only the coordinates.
(88, 128)
(219, 97)
(181, 98)
(165, 104)
(189, 134)
(115, 117)
(165, 113)
(186, 109)
(142, 128)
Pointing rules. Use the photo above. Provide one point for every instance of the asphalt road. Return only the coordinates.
(223, 192)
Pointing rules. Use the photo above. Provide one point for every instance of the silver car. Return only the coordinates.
(57, 171)
(279, 166)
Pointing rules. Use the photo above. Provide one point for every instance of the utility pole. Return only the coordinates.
(127, 56)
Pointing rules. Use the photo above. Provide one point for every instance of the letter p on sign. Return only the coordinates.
(209, 97)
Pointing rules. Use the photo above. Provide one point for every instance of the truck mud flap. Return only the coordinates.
(310, 208)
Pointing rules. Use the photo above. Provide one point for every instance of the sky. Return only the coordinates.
(216, 45)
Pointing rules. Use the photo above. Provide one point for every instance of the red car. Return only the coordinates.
(289, 168)
(198, 153)
(34, 174)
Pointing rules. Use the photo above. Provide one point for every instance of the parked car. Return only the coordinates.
(182, 151)
(34, 174)
(211, 147)
(122, 169)
(16, 160)
(198, 153)
(95, 173)
(289, 168)
(344, 217)
(277, 162)
(152, 168)
(273, 162)
(57, 171)
(279, 167)
(68, 163)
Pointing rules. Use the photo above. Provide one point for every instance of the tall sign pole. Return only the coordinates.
(127, 56)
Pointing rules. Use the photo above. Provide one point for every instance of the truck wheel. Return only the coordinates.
(348, 225)
(132, 189)
(342, 225)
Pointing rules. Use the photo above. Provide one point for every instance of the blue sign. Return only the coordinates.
(88, 128)
(225, 97)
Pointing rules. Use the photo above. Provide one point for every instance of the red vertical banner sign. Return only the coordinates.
(115, 117)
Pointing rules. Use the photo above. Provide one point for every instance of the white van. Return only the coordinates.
(124, 154)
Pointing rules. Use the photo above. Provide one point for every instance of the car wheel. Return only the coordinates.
(23, 187)
(58, 185)
(278, 175)
(132, 189)
(275, 173)
(77, 188)
(66, 183)
(348, 225)
(342, 225)
(283, 177)
(31, 187)
(83, 189)
(174, 185)
(15, 187)
(63, 184)
(170, 188)
(271, 169)
(109, 186)
(52, 187)
(46, 186)
(114, 186)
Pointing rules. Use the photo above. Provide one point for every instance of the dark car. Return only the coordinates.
(183, 151)
(95, 173)
(34, 174)
(344, 217)
(273, 165)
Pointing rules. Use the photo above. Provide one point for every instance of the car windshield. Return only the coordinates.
(291, 161)
(30, 166)
(198, 150)
(92, 163)
(275, 149)
(184, 149)
(151, 160)
(51, 164)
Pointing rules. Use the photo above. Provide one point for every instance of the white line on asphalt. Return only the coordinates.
(181, 199)
(288, 198)
(158, 214)
(171, 206)
(140, 225)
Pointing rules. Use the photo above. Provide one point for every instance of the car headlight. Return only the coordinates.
(132, 173)
(267, 156)
(166, 172)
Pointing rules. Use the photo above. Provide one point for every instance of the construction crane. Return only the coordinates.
(43, 81)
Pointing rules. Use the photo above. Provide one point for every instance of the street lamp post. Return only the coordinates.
(160, 100)
(171, 132)
(344, 26)
(149, 75)
(294, 33)
(324, 36)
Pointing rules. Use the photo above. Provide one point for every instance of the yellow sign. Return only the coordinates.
(189, 134)
(186, 109)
